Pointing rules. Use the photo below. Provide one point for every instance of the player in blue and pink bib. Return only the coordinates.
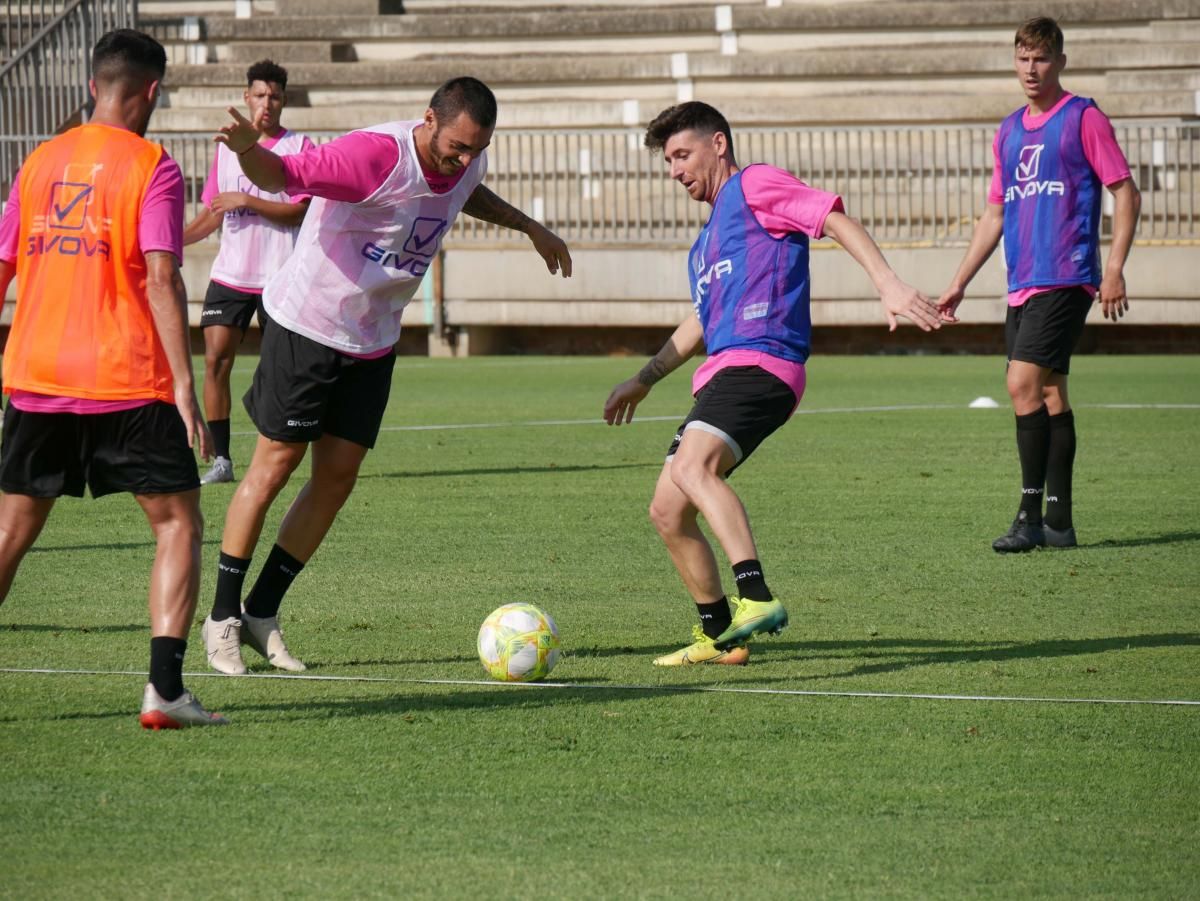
(383, 200)
(750, 286)
(258, 232)
(1053, 157)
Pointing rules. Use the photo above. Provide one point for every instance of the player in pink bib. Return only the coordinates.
(1055, 156)
(384, 198)
(258, 232)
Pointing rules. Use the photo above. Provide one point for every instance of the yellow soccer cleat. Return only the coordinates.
(702, 650)
(749, 619)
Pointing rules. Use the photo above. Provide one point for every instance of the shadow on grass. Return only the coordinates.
(1145, 541)
(42, 627)
(112, 546)
(504, 471)
(895, 656)
(404, 704)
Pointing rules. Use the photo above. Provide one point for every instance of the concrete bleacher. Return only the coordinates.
(588, 65)
(581, 66)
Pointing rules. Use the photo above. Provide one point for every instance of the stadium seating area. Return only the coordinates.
(890, 103)
(594, 65)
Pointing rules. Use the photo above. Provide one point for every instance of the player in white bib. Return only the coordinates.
(383, 200)
(258, 232)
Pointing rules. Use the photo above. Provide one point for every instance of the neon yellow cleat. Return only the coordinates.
(702, 650)
(749, 619)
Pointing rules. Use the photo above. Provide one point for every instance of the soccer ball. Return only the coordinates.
(518, 643)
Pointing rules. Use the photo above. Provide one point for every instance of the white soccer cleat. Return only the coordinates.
(181, 713)
(221, 471)
(264, 635)
(222, 642)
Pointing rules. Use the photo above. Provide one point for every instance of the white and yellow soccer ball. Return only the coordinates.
(518, 643)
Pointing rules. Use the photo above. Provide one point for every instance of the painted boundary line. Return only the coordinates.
(894, 408)
(590, 686)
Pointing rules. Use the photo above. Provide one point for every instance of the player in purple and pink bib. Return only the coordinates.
(383, 200)
(750, 288)
(258, 232)
(1052, 158)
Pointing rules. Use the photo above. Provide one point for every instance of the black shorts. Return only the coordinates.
(224, 305)
(741, 405)
(303, 390)
(141, 451)
(1045, 329)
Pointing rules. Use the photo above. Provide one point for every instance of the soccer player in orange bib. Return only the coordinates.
(97, 366)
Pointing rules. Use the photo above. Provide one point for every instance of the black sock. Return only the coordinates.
(220, 433)
(166, 666)
(273, 582)
(715, 617)
(751, 585)
(1033, 447)
(231, 573)
(1060, 463)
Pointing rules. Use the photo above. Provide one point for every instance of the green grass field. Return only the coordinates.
(874, 526)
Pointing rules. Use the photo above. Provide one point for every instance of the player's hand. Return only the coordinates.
(229, 200)
(239, 135)
(552, 249)
(947, 304)
(624, 400)
(902, 299)
(198, 434)
(1113, 302)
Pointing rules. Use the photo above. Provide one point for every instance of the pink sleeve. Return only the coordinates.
(211, 189)
(783, 204)
(350, 168)
(160, 226)
(10, 224)
(1101, 148)
(996, 189)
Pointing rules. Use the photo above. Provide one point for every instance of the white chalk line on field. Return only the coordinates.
(590, 686)
(678, 417)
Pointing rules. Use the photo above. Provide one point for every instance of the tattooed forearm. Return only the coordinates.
(486, 205)
(657, 369)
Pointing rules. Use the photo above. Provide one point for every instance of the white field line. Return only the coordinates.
(679, 417)
(587, 686)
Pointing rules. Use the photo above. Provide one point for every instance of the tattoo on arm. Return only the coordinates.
(486, 205)
(654, 371)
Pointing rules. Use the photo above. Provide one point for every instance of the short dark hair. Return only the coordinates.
(125, 54)
(1040, 33)
(464, 95)
(694, 116)
(269, 71)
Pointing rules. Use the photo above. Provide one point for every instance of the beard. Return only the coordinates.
(444, 164)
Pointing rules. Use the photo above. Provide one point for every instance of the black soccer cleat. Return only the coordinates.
(1023, 536)
(1060, 537)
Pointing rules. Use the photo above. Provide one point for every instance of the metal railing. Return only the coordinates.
(23, 19)
(908, 186)
(44, 85)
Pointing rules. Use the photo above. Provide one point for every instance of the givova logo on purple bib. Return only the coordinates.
(1026, 175)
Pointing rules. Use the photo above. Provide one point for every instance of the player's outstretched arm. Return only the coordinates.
(986, 236)
(168, 307)
(685, 341)
(487, 206)
(1127, 204)
(206, 222)
(261, 166)
(282, 213)
(898, 297)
